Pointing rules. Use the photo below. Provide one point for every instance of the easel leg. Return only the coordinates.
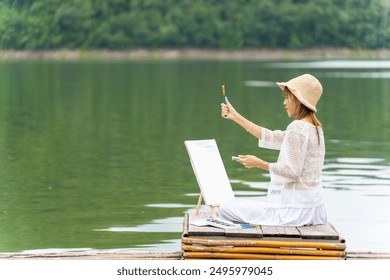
(198, 205)
(213, 209)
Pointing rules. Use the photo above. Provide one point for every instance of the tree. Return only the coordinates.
(219, 24)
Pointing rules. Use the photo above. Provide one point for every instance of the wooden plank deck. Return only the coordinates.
(317, 232)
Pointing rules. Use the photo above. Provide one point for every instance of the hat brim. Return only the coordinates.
(298, 95)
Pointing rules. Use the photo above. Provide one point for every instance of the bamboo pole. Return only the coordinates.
(263, 243)
(264, 250)
(208, 255)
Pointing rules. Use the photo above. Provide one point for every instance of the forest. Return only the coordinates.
(204, 24)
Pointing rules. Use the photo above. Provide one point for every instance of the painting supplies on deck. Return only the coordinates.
(220, 223)
(216, 222)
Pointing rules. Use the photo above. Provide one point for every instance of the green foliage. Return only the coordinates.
(222, 24)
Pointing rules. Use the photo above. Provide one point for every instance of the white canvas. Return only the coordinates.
(209, 171)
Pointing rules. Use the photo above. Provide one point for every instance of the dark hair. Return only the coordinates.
(304, 111)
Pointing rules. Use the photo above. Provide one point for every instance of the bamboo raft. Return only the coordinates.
(319, 242)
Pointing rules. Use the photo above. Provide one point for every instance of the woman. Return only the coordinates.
(295, 190)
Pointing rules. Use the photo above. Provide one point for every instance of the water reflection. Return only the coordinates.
(172, 224)
(357, 75)
(259, 83)
(92, 153)
(357, 173)
(334, 64)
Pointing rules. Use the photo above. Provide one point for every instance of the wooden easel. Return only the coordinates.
(213, 207)
(210, 173)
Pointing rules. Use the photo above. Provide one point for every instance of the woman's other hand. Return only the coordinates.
(250, 161)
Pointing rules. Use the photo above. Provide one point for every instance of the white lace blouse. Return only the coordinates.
(296, 176)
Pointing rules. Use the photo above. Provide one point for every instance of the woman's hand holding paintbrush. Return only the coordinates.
(249, 161)
(227, 110)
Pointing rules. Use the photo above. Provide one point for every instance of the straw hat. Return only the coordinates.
(306, 88)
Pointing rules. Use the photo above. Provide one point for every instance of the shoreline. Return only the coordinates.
(194, 54)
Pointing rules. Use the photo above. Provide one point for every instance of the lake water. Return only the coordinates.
(92, 153)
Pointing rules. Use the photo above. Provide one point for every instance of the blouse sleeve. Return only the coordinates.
(289, 166)
(271, 139)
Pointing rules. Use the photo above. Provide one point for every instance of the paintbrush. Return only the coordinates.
(223, 93)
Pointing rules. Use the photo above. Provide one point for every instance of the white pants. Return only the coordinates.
(262, 213)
